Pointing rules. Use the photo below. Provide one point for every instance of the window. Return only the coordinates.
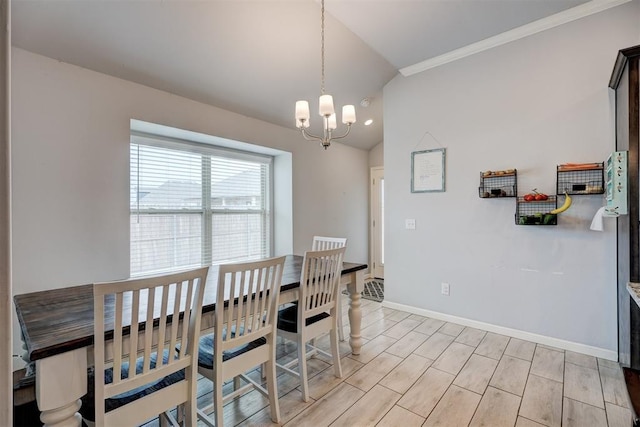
(193, 204)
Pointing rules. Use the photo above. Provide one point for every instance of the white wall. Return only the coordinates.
(376, 155)
(531, 105)
(71, 172)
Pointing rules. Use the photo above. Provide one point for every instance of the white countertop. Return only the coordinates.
(634, 291)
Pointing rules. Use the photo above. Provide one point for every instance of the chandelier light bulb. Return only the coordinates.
(333, 124)
(326, 105)
(348, 114)
(302, 110)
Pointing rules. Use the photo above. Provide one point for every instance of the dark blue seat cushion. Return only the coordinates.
(288, 319)
(206, 349)
(88, 401)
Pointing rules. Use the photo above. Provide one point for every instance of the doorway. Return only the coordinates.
(377, 222)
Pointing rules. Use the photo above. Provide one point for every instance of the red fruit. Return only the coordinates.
(537, 196)
(529, 197)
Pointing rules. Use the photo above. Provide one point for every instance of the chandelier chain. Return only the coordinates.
(322, 47)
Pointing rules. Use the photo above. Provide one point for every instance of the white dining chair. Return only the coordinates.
(137, 373)
(244, 334)
(316, 312)
(321, 243)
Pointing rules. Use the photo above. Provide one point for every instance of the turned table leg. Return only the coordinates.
(355, 288)
(61, 381)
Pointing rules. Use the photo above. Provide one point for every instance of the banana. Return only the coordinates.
(565, 205)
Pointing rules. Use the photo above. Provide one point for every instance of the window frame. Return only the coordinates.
(206, 211)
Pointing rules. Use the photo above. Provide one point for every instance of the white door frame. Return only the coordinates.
(376, 266)
(6, 341)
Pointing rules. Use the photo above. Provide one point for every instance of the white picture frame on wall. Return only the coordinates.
(428, 171)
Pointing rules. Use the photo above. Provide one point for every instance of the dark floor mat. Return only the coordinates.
(373, 290)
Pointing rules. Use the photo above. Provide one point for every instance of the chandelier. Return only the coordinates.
(325, 107)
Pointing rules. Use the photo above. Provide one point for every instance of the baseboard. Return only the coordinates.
(515, 333)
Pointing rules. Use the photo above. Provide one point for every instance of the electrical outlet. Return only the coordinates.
(444, 289)
(410, 224)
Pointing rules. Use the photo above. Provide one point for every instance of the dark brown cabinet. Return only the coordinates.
(624, 81)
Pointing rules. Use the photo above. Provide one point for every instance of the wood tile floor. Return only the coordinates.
(417, 371)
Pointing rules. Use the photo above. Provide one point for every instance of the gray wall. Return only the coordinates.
(531, 104)
(71, 172)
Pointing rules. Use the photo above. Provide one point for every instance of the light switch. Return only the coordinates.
(410, 224)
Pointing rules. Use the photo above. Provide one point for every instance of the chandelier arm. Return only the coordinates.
(309, 136)
(342, 136)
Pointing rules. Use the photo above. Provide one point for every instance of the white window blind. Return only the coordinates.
(196, 205)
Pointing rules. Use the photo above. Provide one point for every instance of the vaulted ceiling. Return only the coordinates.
(257, 57)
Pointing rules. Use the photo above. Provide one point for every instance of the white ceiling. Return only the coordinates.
(257, 57)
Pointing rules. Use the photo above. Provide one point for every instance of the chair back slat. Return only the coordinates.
(138, 304)
(186, 321)
(230, 315)
(322, 243)
(255, 287)
(319, 282)
(148, 336)
(252, 322)
(117, 340)
(98, 313)
(176, 309)
(242, 282)
(133, 329)
(252, 285)
(162, 326)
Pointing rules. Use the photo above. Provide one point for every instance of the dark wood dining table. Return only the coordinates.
(57, 333)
